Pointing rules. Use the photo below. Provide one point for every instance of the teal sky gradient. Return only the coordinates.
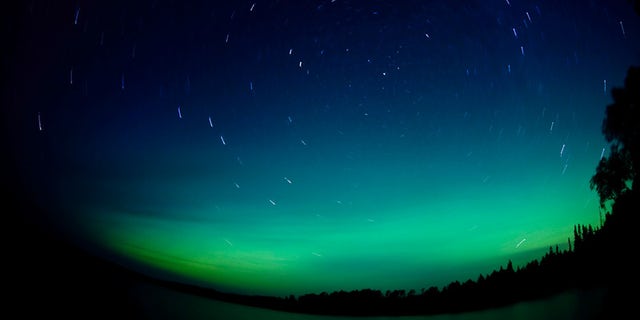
(383, 212)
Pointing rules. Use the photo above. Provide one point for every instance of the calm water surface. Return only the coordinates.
(161, 303)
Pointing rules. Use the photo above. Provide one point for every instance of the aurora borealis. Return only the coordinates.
(288, 147)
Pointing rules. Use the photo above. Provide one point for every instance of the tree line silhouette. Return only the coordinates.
(588, 263)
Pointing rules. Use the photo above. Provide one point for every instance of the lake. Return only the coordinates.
(156, 302)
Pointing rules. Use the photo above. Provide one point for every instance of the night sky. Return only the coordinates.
(290, 147)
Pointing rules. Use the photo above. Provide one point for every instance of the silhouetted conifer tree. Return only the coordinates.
(616, 173)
